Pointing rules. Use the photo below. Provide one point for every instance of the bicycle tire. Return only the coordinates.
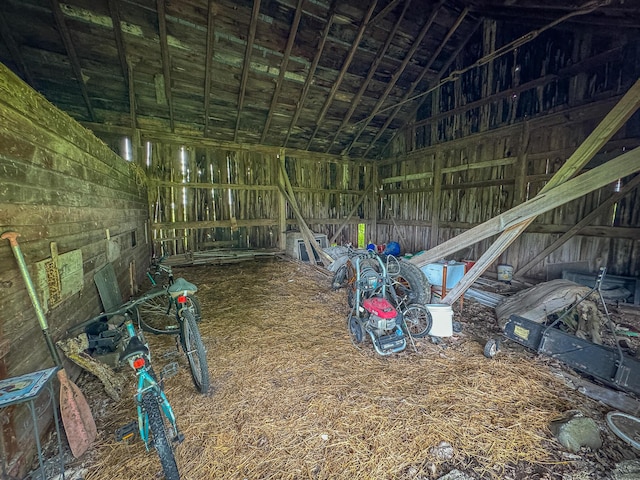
(161, 441)
(158, 314)
(412, 284)
(418, 320)
(195, 351)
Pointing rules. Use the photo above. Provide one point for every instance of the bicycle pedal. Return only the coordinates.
(170, 354)
(127, 432)
(179, 438)
(169, 370)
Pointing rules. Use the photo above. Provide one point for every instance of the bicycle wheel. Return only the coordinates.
(195, 351)
(159, 437)
(418, 320)
(157, 315)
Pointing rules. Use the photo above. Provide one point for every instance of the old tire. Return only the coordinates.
(411, 285)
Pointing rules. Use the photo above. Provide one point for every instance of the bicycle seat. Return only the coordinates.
(135, 347)
(180, 286)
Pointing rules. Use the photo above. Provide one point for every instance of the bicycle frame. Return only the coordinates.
(146, 383)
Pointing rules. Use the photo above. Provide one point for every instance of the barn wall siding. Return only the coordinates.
(478, 151)
(206, 195)
(60, 184)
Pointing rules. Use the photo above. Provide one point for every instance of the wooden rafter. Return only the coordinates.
(211, 14)
(312, 71)
(396, 76)
(372, 70)
(283, 68)
(73, 56)
(247, 63)
(114, 11)
(417, 81)
(8, 39)
(166, 59)
(343, 70)
(384, 12)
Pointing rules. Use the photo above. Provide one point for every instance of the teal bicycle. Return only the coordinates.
(172, 308)
(156, 423)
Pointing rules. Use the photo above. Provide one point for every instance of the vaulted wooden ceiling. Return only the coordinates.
(322, 75)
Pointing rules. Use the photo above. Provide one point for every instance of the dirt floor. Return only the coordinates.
(293, 398)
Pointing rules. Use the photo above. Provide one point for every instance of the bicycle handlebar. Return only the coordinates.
(124, 308)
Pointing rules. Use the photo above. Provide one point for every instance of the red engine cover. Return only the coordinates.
(380, 307)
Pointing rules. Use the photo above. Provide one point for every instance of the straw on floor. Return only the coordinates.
(293, 398)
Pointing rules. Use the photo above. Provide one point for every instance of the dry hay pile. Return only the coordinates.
(293, 398)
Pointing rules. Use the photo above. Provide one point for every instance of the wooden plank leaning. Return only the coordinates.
(612, 122)
(565, 237)
(309, 240)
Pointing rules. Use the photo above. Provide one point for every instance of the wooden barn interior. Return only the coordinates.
(217, 133)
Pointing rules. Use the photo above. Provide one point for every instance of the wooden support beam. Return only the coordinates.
(72, 54)
(612, 122)
(397, 74)
(247, 63)
(117, 32)
(211, 38)
(595, 213)
(132, 96)
(383, 13)
(436, 199)
(343, 70)
(166, 58)
(382, 51)
(353, 210)
(520, 190)
(417, 81)
(14, 50)
(283, 68)
(309, 240)
(589, 181)
(312, 71)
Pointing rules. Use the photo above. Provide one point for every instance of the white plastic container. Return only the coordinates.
(442, 316)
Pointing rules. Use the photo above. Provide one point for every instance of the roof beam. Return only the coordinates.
(312, 71)
(398, 73)
(343, 70)
(73, 56)
(383, 13)
(417, 81)
(117, 31)
(166, 59)
(211, 38)
(247, 63)
(283, 68)
(372, 70)
(8, 39)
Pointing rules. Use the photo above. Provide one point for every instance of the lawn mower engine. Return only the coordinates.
(383, 323)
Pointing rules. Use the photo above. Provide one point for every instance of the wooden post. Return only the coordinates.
(520, 190)
(436, 200)
(282, 205)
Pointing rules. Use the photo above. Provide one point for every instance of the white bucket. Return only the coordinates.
(505, 273)
(442, 316)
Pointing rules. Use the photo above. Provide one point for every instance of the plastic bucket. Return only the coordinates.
(505, 273)
(442, 316)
